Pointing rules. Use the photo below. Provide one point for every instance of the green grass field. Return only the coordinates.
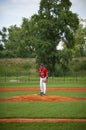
(58, 93)
(44, 109)
(52, 82)
(42, 126)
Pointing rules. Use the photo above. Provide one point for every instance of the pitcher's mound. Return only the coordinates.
(36, 97)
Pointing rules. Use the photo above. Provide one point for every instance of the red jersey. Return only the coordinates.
(43, 72)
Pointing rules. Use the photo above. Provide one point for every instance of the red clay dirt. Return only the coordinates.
(41, 120)
(36, 97)
(37, 89)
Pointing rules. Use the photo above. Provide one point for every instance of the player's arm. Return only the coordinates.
(46, 74)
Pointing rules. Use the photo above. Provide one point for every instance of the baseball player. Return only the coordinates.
(43, 72)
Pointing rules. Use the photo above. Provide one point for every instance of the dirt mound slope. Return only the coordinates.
(37, 97)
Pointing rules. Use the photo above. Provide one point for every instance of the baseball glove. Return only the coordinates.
(45, 80)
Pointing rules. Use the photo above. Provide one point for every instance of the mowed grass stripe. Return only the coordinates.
(43, 109)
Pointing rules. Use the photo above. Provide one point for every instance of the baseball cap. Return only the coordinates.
(41, 64)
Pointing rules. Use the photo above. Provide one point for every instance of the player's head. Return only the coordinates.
(42, 65)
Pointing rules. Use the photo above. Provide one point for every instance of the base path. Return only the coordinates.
(41, 120)
(37, 89)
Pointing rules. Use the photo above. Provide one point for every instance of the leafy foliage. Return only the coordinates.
(40, 36)
(80, 42)
(54, 23)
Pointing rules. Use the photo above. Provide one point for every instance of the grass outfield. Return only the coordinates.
(42, 126)
(81, 94)
(43, 109)
(53, 82)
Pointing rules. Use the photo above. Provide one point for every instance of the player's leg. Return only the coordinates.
(44, 87)
(41, 86)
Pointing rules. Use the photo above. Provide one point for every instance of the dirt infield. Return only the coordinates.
(36, 97)
(37, 89)
(41, 120)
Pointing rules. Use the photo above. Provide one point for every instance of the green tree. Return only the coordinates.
(1, 47)
(3, 41)
(3, 35)
(80, 42)
(26, 47)
(54, 23)
(19, 40)
(13, 40)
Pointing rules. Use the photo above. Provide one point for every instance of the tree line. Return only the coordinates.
(40, 35)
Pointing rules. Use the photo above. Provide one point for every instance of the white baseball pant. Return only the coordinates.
(42, 85)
